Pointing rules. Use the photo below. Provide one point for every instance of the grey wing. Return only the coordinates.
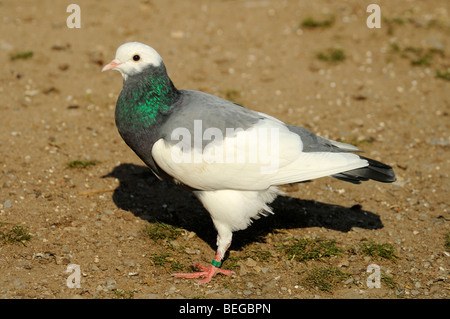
(375, 170)
(200, 111)
(314, 143)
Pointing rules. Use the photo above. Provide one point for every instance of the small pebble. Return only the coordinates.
(415, 292)
(250, 262)
(7, 204)
(111, 284)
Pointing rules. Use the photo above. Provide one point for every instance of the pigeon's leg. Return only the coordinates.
(207, 273)
(223, 242)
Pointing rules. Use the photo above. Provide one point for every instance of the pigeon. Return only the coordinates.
(231, 158)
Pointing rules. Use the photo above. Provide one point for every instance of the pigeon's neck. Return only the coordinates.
(145, 98)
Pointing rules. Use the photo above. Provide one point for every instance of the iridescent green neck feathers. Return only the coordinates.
(144, 98)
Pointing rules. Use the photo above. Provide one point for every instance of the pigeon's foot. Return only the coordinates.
(206, 273)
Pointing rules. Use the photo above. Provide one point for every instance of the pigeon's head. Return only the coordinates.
(132, 58)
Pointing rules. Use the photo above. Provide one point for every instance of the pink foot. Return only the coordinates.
(206, 273)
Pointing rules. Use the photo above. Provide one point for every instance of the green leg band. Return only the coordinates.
(216, 263)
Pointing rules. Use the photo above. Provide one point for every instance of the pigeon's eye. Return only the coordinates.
(136, 58)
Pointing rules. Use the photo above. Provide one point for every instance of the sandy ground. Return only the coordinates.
(57, 107)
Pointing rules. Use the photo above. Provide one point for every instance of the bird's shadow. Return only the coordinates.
(141, 193)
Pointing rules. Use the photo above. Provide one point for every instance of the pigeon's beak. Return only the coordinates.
(111, 65)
